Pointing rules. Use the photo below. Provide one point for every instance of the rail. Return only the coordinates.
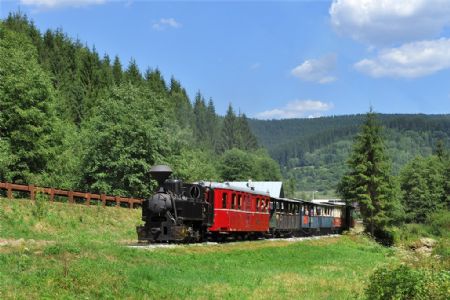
(72, 196)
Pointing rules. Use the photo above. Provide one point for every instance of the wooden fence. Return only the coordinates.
(72, 196)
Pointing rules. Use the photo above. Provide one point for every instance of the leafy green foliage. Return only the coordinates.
(404, 282)
(238, 165)
(25, 117)
(125, 138)
(422, 184)
(368, 181)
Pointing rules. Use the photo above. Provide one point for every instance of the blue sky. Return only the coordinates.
(275, 59)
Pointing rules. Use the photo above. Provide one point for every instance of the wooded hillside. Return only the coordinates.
(313, 151)
(74, 119)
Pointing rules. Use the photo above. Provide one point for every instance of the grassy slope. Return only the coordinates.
(79, 252)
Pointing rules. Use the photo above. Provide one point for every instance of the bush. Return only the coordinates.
(439, 223)
(40, 209)
(404, 282)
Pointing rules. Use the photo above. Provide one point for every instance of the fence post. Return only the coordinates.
(32, 192)
(52, 194)
(130, 202)
(9, 193)
(103, 198)
(88, 199)
(71, 197)
(117, 198)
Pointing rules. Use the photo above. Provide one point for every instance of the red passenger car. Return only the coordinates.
(239, 210)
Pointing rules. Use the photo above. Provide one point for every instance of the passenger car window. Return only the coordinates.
(224, 200)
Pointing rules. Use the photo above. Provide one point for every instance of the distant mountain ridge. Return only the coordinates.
(314, 151)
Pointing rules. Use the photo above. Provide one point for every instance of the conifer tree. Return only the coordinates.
(200, 125)
(181, 105)
(212, 125)
(156, 82)
(422, 184)
(117, 70)
(25, 98)
(228, 136)
(369, 182)
(132, 74)
(247, 140)
(106, 72)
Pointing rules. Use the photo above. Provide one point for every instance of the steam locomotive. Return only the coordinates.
(181, 212)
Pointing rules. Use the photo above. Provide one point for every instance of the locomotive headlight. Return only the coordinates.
(160, 202)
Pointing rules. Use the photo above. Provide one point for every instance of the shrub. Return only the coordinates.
(404, 282)
(40, 209)
(439, 222)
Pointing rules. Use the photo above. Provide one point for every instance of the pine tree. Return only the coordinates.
(132, 74)
(106, 72)
(369, 182)
(422, 184)
(228, 136)
(117, 70)
(25, 98)
(247, 140)
(212, 125)
(200, 126)
(156, 82)
(181, 104)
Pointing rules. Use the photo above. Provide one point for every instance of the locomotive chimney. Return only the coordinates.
(160, 173)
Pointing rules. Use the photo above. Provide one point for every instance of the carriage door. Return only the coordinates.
(247, 209)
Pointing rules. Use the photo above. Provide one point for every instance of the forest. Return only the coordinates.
(313, 152)
(74, 119)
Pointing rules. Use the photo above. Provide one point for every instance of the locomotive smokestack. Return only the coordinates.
(160, 173)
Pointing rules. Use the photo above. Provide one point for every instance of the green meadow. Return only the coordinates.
(76, 252)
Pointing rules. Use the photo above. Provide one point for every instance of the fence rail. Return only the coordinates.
(72, 196)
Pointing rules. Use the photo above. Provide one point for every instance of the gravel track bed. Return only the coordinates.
(171, 246)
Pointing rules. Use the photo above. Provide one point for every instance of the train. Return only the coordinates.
(181, 212)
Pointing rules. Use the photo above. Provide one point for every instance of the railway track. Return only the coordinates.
(172, 246)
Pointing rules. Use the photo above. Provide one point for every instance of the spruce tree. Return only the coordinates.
(200, 126)
(212, 125)
(228, 136)
(422, 184)
(247, 140)
(156, 82)
(132, 74)
(368, 180)
(117, 70)
(25, 99)
(181, 104)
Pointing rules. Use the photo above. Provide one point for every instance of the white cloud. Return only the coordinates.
(166, 23)
(384, 22)
(60, 3)
(255, 66)
(316, 70)
(296, 109)
(411, 60)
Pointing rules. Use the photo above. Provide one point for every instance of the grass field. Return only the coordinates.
(72, 251)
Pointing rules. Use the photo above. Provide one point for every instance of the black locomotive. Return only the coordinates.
(177, 211)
